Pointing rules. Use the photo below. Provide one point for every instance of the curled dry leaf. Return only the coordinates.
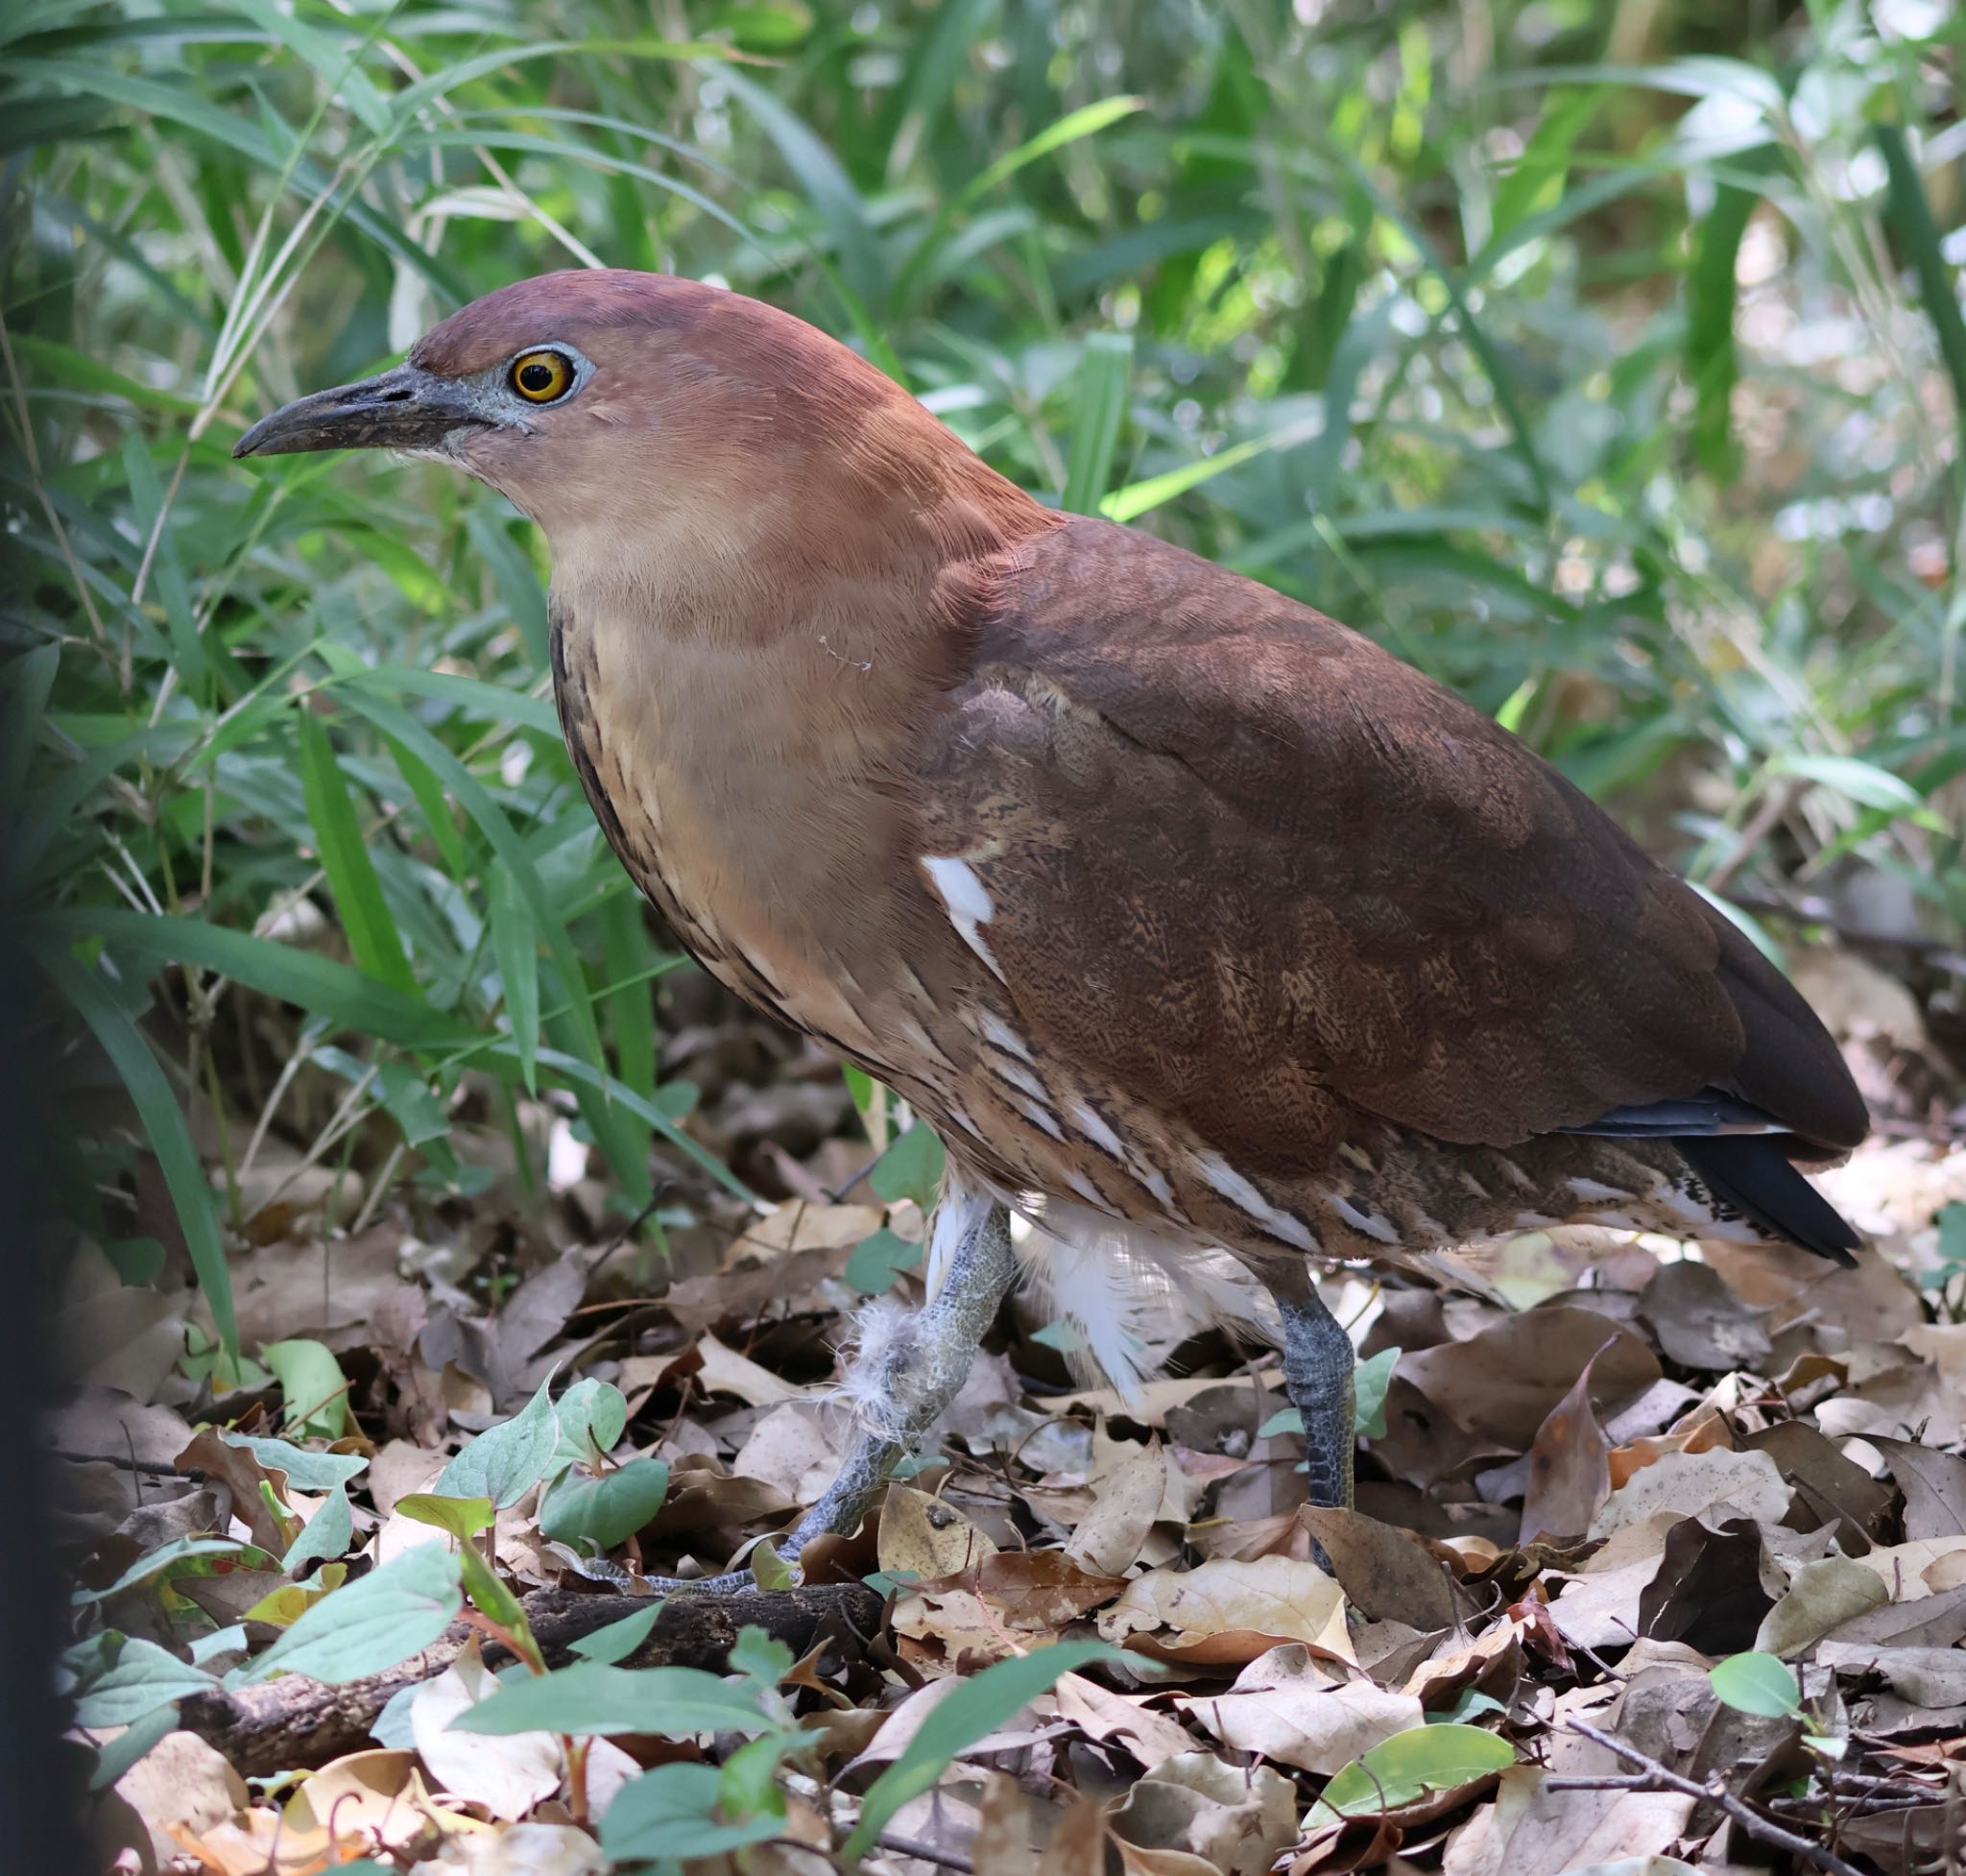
(724, 1371)
(1226, 1612)
(1123, 1720)
(1569, 1472)
(1286, 1707)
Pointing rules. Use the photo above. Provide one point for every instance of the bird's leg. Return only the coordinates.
(1318, 1364)
(902, 1384)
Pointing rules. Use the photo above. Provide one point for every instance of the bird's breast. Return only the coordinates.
(748, 817)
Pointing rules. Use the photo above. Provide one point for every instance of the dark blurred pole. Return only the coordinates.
(39, 1831)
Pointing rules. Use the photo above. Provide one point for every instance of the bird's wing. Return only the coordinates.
(1233, 858)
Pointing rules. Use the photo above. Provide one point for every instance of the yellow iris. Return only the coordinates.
(542, 376)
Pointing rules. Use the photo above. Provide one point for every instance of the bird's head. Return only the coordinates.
(613, 403)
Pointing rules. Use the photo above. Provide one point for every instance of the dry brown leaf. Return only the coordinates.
(1503, 1383)
(1820, 1595)
(1226, 1612)
(1388, 1573)
(1532, 1831)
(1909, 1570)
(237, 1468)
(523, 1850)
(1570, 1476)
(182, 1785)
(1108, 1537)
(507, 1773)
(921, 1536)
(1123, 1720)
(1285, 1707)
(725, 1371)
(1197, 1815)
(1717, 1483)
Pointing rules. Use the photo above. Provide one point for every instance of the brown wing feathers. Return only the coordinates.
(1328, 882)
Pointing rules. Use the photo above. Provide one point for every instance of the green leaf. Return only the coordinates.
(820, 173)
(877, 1260)
(608, 1509)
(1760, 1684)
(1863, 782)
(1286, 1420)
(515, 940)
(372, 933)
(316, 1392)
(620, 1639)
(768, 1569)
(976, 1708)
(1405, 1768)
(910, 1168)
(373, 1623)
(180, 1549)
(1953, 1232)
(1137, 499)
(306, 1470)
(511, 852)
(1711, 366)
(462, 1517)
(348, 998)
(163, 1124)
(760, 1656)
(328, 1533)
(1085, 121)
(1911, 219)
(490, 1595)
(129, 1745)
(506, 1461)
(139, 1677)
(1370, 1380)
(593, 1416)
(672, 1813)
(592, 1698)
(1105, 378)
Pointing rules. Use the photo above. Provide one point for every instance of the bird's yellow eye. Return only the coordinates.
(542, 376)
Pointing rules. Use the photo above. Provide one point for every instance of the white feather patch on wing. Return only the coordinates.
(1133, 1293)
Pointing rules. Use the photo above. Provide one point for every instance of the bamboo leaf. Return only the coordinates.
(372, 933)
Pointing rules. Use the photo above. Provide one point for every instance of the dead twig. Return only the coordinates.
(1652, 1776)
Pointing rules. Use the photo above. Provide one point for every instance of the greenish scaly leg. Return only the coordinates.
(1318, 1364)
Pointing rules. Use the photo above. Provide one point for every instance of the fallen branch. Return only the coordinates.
(1655, 1777)
(297, 1722)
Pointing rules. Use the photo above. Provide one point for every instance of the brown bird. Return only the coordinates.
(1190, 919)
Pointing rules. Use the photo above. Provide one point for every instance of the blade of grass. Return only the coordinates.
(163, 1123)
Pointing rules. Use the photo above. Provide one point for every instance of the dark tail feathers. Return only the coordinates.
(1751, 1173)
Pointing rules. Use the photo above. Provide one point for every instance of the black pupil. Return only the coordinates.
(535, 376)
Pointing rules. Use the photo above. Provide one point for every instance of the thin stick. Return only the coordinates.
(148, 1468)
(1655, 1777)
(913, 1846)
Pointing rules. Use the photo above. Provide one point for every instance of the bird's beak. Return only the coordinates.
(408, 408)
